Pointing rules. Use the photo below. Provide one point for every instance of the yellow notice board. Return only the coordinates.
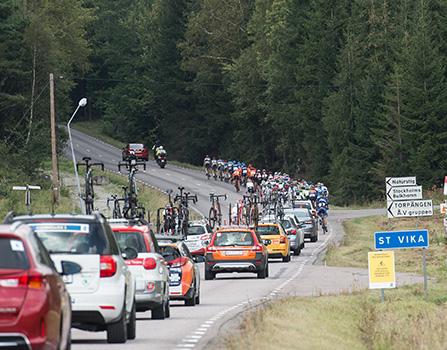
(381, 270)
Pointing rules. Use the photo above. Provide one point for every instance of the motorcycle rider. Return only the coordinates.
(159, 152)
(155, 146)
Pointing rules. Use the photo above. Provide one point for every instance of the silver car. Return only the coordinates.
(309, 224)
(296, 235)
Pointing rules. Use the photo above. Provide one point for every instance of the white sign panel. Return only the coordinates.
(400, 181)
(404, 193)
(403, 209)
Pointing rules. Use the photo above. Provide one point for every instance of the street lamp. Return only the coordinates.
(82, 103)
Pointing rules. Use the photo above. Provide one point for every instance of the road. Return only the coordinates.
(227, 296)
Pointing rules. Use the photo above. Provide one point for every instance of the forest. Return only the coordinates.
(341, 91)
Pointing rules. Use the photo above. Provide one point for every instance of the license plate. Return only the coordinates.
(234, 252)
(174, 277)
(67, 279)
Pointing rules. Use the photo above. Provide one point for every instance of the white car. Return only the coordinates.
(150, 270)
(103, 294)
(198, 237)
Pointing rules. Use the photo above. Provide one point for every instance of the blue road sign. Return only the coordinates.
(401, 239)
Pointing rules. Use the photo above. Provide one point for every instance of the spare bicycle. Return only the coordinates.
(89, 194)
(215, 213)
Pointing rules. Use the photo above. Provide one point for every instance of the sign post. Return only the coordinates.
(381, 268)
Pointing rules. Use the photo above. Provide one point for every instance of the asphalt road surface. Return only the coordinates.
(230, 294)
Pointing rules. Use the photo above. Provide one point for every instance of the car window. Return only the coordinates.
(185, 250)
(13, 254)
(233, 238)
(153, 242)
(196, 230)
(268, 230)
(41, 252)
(73, 238)
(302, 214)
(136, 145)
(170, 253)
(130, 239)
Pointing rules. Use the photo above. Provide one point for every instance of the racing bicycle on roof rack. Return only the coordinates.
(89, 194)
(215, 213)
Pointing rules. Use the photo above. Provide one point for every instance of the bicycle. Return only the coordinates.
(116, 213)
(215, 213)
(89, 194)
(131, 208)
(182, 210)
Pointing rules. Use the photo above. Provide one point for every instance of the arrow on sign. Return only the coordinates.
(416, 208)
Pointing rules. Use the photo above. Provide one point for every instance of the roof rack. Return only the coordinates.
(173, 238)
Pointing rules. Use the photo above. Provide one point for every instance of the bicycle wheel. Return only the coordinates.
(212, 217)
(89, 205)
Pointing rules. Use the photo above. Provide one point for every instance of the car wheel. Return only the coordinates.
(117, 332)
(314, 238)
(286, 258)
(209, 275)
(302, 245)
(267, 270)
(167, 309)
(191, 301)
(158, 313)
(198, 298)
(297, 251)
(132, 325)
(262, 273)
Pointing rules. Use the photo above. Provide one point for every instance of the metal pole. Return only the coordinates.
(54, 167)
(424, 267)
(78, 183)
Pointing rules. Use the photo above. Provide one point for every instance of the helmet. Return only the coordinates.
(161, 147)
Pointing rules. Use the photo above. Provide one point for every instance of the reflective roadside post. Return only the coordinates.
(82, 103)
(27, 189)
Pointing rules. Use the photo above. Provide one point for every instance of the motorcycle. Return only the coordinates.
(161, 161)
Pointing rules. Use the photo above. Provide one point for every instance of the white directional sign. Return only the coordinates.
(404, 193)
(400, 181)
(401, 209)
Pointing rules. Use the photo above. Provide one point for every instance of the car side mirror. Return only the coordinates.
(129, 253)
(70, 268)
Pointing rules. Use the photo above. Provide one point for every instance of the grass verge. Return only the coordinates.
(95, 128)
(359, 321)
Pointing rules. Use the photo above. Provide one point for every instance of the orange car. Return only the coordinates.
(236, 249)
(184, 273)
(280, 245)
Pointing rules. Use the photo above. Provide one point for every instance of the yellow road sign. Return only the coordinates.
(381, 270)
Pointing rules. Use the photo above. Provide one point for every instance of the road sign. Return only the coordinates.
(381, 270)
(402, 209)
(401, 239)
(404, 193)
(400, 181)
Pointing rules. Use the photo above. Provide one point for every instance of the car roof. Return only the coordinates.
(268, 224)
(234, 229)
(56, 216)
(16, 228)
(122, 228)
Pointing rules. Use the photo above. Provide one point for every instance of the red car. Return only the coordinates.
(139, 150)
(35, 307)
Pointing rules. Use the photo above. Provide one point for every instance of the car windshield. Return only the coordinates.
(72, 238)
(303, 214)
(13, 254)
(268, 230)
(170, 253)
(233, 238)
(127, 239)
(196, 230)
(136, 145)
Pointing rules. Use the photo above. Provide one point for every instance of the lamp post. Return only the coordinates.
(82, 103)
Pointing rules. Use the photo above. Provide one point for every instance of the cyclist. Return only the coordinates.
(207, 165)
(322, 211)
(236, 178)
(214, 167)
(221, 168)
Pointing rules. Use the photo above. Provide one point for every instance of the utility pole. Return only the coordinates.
(54, 167)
